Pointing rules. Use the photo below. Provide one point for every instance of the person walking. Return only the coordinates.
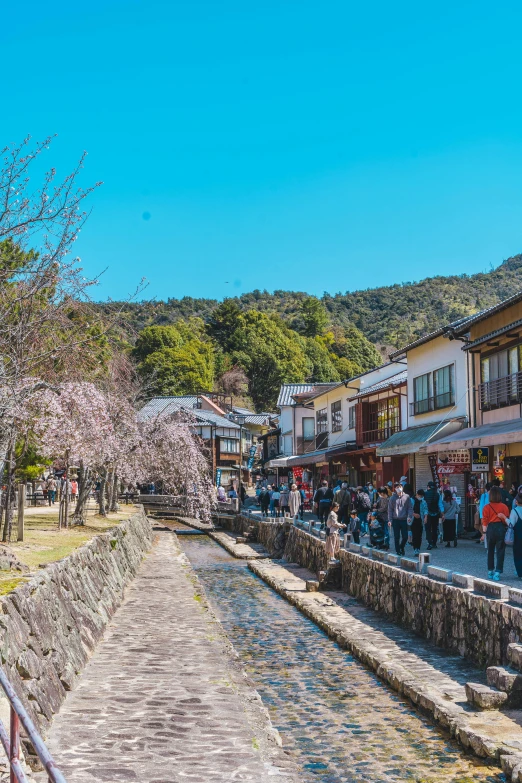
(507, 499)
(400, 512)
(355, 526)
(381, 510)
(51, 490)
(333, 539)
(302, 493)
(515, 520)
(275, 495)
(294, 501)
(323, 500)
(283, 500)
(420, 511)
(449, 518)
(494, 524)
(435, 509)
(264, 501)
(343, 499)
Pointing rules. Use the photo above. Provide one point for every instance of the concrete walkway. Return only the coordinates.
(164, 699)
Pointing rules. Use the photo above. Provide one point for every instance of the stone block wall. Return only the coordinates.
(51, 624)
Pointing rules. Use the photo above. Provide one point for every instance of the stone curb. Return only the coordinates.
(450, 715)
(240, 551)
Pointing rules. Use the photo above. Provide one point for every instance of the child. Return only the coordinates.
(376, 531)
(355, 526)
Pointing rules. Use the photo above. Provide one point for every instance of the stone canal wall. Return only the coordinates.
(51, 624)
(457, 619)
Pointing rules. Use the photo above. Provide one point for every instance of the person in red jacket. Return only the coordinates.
(494, 524)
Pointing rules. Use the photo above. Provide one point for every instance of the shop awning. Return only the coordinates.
(414, 438)
(341, 451)
(279, 462)
(312, 458)
(496, 434)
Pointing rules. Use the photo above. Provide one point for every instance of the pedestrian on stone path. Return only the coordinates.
(435, 509)
(355, 526)
(343, 499)
(420, 512)
(449, 518)
(323, 499)
(494, 523)
(363, 507)
(283, 500)
(294, 501)
(381, 510)
(515, 520)
(264, 500)
(51, 490)
(333, 539)
(274, 501)
(400, 513)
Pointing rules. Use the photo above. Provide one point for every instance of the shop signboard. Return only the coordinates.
(218, 477)
(451, 462)
(251, 457)
(480, 459)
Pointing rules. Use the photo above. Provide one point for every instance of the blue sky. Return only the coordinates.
(296, 145)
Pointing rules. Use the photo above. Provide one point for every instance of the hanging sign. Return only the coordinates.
(480, 459)
(218, 477)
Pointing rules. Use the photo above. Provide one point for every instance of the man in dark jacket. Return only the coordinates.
(507, 499)
(323, 499)
(435, 509)
(400, 513)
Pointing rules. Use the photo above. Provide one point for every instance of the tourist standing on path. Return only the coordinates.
(400, 513)
(355, 526)
(294, 501)
(515, 520)
(381, 510)
(435, 509)
(323, 500)
(449, 518)
(283, 500)
(507, 499)
(51, 490)
(303, 500)
(264, 501)
(494, 523)
(363, 506)
(274, 502)
(333, 539)
(420, 511)
(343, 499)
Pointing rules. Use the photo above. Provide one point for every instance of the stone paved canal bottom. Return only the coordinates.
(338, 720)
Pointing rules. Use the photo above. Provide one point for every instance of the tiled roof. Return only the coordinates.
(165, 406)
(432, 335)
(395, 380)
(288, 390)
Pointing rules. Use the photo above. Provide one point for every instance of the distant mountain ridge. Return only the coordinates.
(388, 316)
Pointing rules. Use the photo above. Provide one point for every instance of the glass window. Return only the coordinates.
(229, 445)
(421, 393)
(308, 428)
(444, 387)
(322, 420)
(484, 370)
(351, 417)
(513, 361)
(337, 416)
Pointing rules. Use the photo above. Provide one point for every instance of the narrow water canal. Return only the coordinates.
(337, 719)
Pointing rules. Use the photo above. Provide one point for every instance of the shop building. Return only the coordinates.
(491, 341)
(437, 405)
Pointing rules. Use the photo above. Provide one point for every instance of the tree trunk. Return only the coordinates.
(101, 499)
(109, 487)
(114, 502)
(84, 490)
(9, 495)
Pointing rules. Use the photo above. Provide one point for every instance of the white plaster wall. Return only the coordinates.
(431, 356)
(501, 414)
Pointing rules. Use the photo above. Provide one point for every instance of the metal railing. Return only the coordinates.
(11, 742)
(445, 400)
(377, 436)
(501, 392)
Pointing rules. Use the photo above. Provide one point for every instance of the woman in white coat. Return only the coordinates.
(294, 501)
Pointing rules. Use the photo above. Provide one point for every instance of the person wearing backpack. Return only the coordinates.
(343, 499)
(400, 516)
(494, 524)
(515, 521)
(435, 509)
(363, 506)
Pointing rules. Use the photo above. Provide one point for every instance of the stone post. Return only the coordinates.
(21, 509)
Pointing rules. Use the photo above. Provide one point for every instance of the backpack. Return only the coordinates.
(432, 501)
(363, 501)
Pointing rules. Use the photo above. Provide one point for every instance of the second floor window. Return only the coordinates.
(351, 417)
(337, 416)
(434, 390)
(308, 429)
(322, 428)
(501, 381)
(421, 393)
(229, 446)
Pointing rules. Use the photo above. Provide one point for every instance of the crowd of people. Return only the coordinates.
(55, 488)
(397, 513)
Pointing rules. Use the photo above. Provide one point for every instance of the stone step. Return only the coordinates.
(514, 654)
(409, 564)
(436, 572)
(505, 679)
(484, 697)
(490, 588)
(462, 580)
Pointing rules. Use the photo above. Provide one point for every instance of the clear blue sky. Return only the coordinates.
(299, 145)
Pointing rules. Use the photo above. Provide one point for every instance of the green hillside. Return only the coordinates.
(389, 315)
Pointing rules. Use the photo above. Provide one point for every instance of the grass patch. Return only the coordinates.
(8, 583)
(44, 543)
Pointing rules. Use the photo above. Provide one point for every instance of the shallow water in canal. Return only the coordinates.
(336, 718)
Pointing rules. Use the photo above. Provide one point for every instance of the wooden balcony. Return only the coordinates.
(500, 392)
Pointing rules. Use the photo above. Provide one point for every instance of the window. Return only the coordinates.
(308, 428)
(443, 387)
(337, 416)
(421, 393)
(433, 391)
(229, 445)
(322, 428)
(351, 417)
(381, 419)
(500, 375)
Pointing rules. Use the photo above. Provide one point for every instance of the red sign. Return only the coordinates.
(450, 470)
(298, 475)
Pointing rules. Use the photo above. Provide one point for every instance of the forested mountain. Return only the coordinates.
(389, 315)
